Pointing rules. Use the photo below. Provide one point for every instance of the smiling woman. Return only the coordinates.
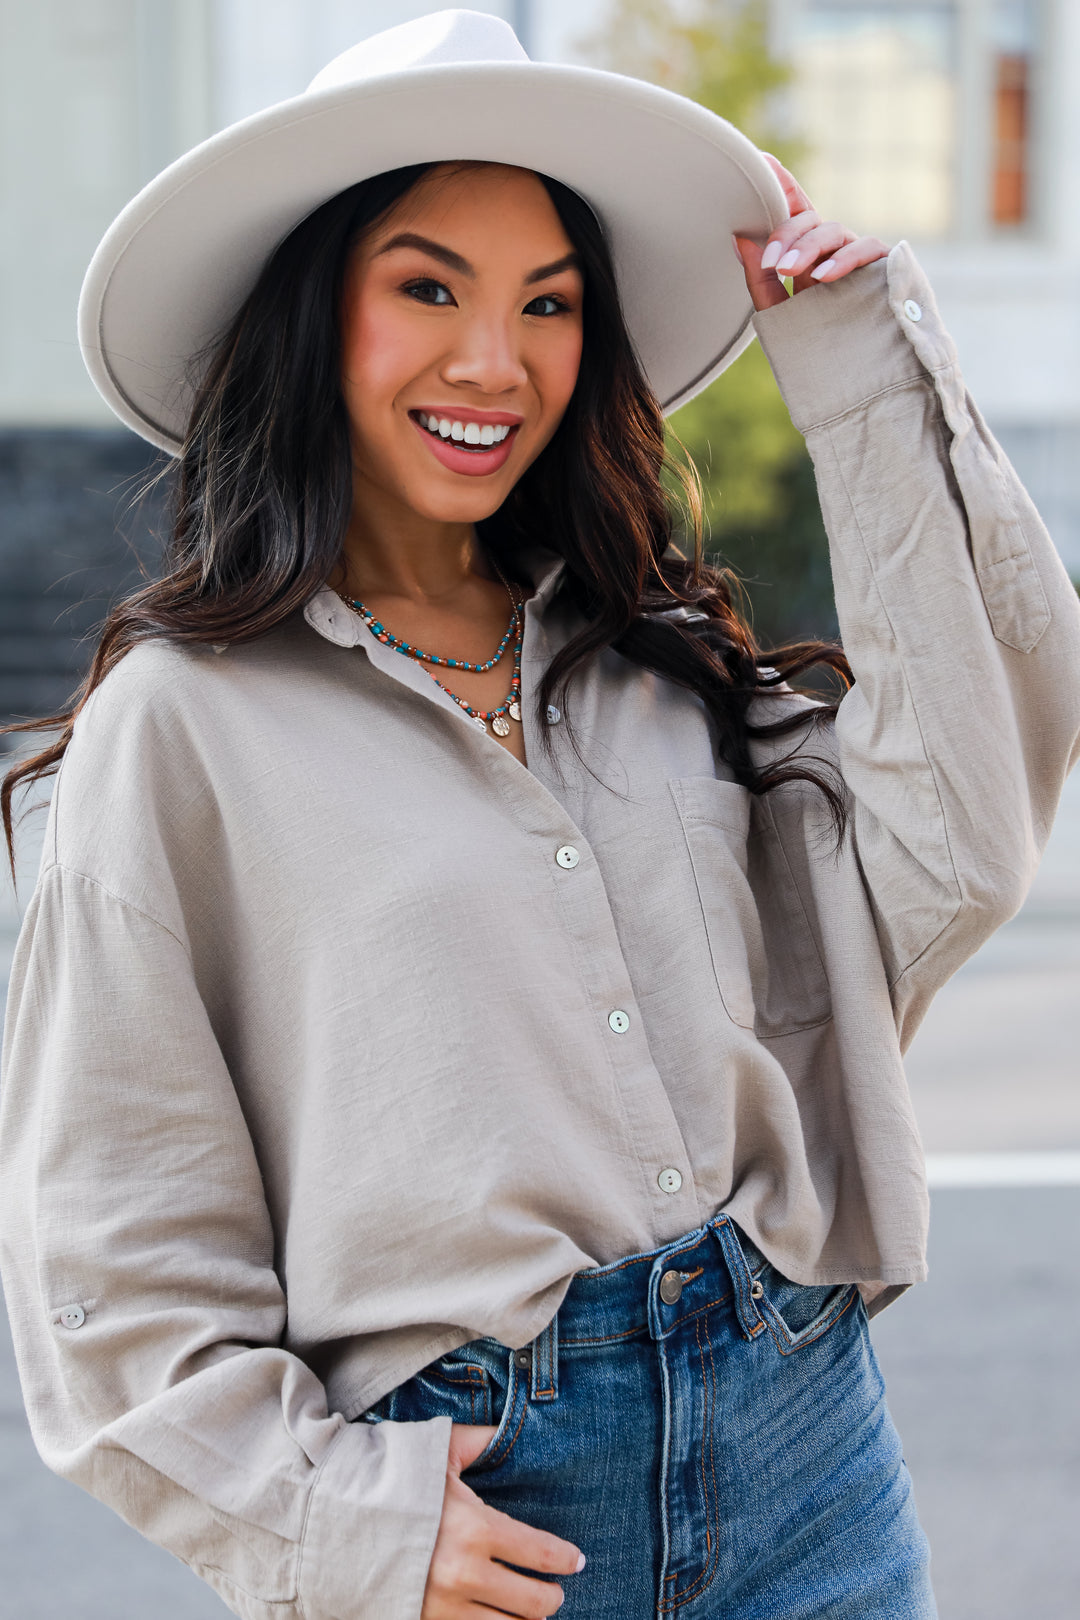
(431, 337)
(453, 1128)
(455, 365)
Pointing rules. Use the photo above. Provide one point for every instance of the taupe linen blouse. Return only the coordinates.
(337, 1038)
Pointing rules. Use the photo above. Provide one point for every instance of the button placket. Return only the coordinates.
(579, 885)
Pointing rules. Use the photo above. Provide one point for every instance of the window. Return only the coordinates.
(918, 114)
(1012, 42)
(876, 99)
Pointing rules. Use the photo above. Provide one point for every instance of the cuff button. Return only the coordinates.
(72, 1316)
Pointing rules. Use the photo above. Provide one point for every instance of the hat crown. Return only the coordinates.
(440, 38)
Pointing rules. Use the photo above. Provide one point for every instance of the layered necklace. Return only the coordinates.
(510, 707)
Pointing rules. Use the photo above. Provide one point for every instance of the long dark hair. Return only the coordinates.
(262, 492)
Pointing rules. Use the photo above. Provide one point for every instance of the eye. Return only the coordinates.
(427, 291)
(547, 304)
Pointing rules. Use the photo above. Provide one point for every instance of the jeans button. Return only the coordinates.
(756, 1290)
(671, 1287)
(523, 1359)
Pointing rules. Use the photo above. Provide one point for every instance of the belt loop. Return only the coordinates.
(544, 1384)
(750, 1319)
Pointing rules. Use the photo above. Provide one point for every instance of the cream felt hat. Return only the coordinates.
(668, 180)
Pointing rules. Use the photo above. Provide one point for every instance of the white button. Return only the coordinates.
(554, 715)
(912, 310)
(618, 1021)
(73, 1316)
(669, 1181)
(567, 857)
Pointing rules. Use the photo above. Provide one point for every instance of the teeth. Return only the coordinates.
(464, 432)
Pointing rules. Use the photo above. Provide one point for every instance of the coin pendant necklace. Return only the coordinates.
(510, 708)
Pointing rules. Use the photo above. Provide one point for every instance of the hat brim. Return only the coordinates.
(668, 180)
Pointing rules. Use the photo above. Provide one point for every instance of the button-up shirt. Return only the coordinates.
(337, 1037)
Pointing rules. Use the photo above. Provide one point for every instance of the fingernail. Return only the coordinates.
(823, 269)
(770, 255)
(789, 261)
(735, 250)
(580, 1563)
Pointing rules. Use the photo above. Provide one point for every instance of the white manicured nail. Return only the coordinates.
(789, 261)
(735, 250)
(770, 255)
(823, 269)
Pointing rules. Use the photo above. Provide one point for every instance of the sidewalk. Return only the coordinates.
(996, 1064)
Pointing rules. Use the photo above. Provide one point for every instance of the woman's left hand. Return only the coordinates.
(806, 247)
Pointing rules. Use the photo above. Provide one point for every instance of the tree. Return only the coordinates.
(762, 516)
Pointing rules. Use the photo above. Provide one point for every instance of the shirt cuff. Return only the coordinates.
(833, 347)
(372, 1521)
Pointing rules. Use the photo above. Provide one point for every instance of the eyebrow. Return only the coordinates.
(569, 261)
(454, 261)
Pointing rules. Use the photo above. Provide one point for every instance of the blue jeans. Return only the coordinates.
(712, 1436)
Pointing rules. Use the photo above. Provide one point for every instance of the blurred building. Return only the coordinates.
(953, 122)
(956, 123)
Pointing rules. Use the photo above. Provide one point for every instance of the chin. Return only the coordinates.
(468, 506)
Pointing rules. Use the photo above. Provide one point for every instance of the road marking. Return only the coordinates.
(1003, 1169)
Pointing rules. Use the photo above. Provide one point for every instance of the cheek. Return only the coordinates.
(380, 355)
(561, 366)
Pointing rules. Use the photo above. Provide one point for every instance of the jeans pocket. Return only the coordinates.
(798, 1314)
(509, 1399)
(458, 1385)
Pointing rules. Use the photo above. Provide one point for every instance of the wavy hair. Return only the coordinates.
(262, 489)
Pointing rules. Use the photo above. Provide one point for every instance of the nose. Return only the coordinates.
(487, 356)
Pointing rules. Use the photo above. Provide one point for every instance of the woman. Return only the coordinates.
(432, 1186)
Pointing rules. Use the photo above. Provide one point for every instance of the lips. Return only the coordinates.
(474, 445)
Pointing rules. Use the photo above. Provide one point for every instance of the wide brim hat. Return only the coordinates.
(668, 180)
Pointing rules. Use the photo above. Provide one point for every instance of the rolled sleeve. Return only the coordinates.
(148, 1317)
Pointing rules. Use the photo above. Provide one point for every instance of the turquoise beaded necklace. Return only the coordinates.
(510, 707)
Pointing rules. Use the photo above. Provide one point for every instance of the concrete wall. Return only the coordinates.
(95, 97)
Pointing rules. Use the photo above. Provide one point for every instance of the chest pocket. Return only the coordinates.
(768, 967)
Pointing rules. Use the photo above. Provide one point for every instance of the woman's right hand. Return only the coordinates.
(464, 1582)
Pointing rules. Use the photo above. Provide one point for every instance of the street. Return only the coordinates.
(980, 1362)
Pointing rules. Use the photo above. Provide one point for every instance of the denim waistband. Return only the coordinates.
(649, 1293)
